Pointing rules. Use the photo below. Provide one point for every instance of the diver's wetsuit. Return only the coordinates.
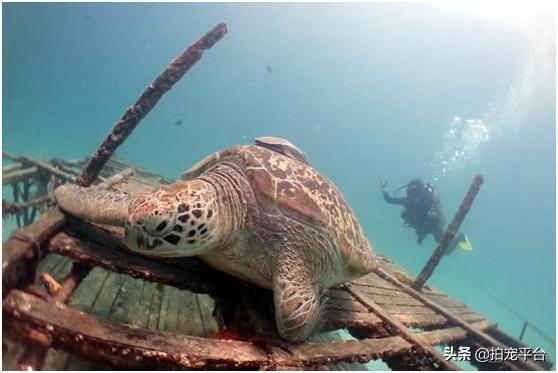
(424, 215)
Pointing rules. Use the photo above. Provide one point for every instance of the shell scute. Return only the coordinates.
(282, 184)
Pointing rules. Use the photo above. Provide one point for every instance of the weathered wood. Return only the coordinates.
(512, 342)
(372, 289)
(147, 101)
(155, 308)
(11, 167)
(462, 322)
(117, 178)
(9, 208)
(89, 290)
(34, 357)
(52, 286)
(71, 282)
(451, 335)
(192, 277)
(21, 253)
(141, 314)
(449, 234)
(206, 306)
(366, 323)
(123, 346)
(401, 329)
(345, 305)
(62, 270)
(108, 292)
(49, 262)
(127, 291)
(44, 166)
(189, 318)
(407, 310)
(421, 321)
(26, 186)
(19, 175)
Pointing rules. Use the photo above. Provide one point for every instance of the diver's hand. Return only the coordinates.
(383, 185)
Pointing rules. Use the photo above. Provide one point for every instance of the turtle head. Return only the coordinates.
(179, 220)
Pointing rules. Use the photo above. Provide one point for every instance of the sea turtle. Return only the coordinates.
(253, 213)
(282, 146)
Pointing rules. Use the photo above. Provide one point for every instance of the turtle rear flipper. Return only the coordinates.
(94, 204)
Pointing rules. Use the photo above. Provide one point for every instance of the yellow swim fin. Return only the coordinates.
(465, 244)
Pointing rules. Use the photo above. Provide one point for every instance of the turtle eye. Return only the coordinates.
(161, 226)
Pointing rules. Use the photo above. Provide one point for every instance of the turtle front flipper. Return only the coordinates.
(298, 303)
(94, 204)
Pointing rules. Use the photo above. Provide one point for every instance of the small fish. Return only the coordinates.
(178, 123)
(269, 70)
(88, 18)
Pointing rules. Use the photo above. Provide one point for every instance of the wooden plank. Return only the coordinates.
(62, 270)
(19, 175)
(84, 298)
(401, 329)
(451, 335)
(206, 305)
(189, 320)
(407, 310)
(420, 321)
(124, 346)
(119, 309)
(344, 305)
(371, 289)
(171, 319)
(193, 274)
(463, 322)
(87, 293)
(164, 307)
(155, 307)
(141, 314)
(11, 167)
(47, 265)
(404, 300)
(438, 337)
(107, 295)
(344, 319)
(20, 253)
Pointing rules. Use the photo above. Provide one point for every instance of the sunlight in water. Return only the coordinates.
(519, 15)
(464, 139)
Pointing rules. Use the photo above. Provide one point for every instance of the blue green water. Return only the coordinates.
(369, 91)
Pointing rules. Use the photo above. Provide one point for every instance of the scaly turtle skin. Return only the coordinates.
(253, 213)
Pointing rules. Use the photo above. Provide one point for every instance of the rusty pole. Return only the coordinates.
(34, 356)
(131, 118)
(449, 234)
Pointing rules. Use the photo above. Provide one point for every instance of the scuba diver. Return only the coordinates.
(423, 213)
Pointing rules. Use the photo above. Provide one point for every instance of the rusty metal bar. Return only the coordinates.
(21, 252)
(124, 346)
(400, 328)
(131, 118)
(11, 167)
(39, 164)
(449, 234)
(480, 335)
(523, 329)
(18, 175)
(34, 356)
(9, 208)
